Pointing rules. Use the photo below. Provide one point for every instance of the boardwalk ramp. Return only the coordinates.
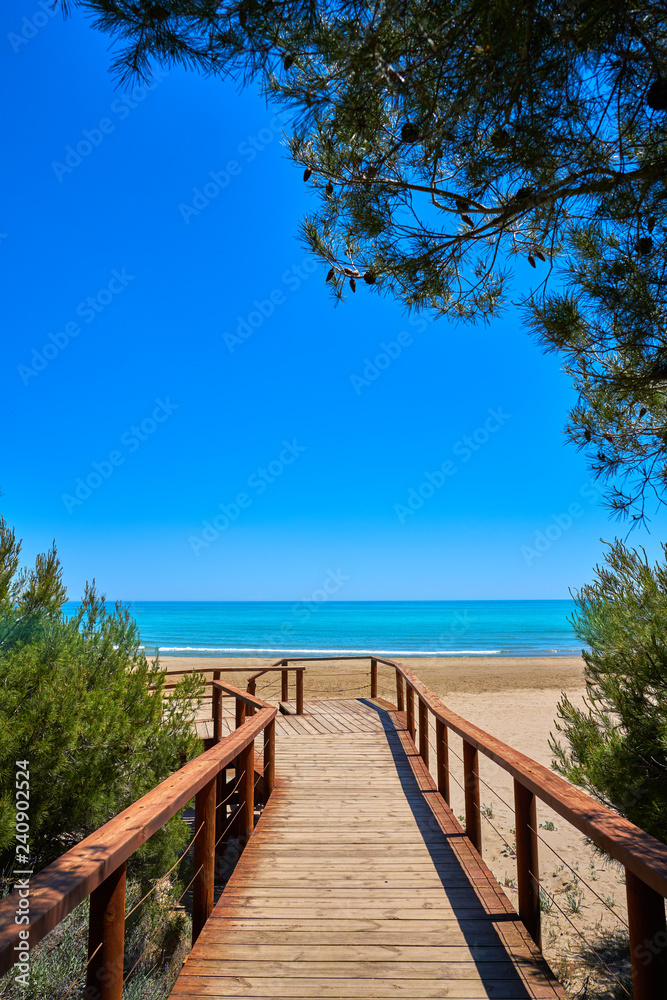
(359, 881)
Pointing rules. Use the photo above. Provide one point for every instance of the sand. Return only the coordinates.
(473, 675)
(515, 699)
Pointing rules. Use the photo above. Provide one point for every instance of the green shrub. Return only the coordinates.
(57, 964)
(81, 702)
(616, 745)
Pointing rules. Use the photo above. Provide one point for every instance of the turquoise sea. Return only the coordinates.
(419, 628)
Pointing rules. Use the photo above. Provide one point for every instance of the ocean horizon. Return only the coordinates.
(327, 628)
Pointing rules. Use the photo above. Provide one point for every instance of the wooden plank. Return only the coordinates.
(332, 920)
(393, 968)
(335, 854)
(353, 896)
(405, 883)
(319, 937)
(189, 985)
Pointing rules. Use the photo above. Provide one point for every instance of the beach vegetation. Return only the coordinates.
(546, 902)
(156, 941)
(615, 744)
(457, 154)
(575, 900)
(87, 711)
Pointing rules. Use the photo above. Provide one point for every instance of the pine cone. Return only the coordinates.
(656, 97)
(410, 132)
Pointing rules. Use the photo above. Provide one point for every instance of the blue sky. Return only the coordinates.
(188, 413)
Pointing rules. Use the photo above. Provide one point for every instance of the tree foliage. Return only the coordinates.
(446, 142)
(81, 702)
(617, 743)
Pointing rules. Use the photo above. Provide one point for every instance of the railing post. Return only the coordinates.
(410, 699)
(220, 810)
(527, 861)
(471, 783)
(400, 699)
(246, 763)
(442, 758)
(106, 928)
(250, 709)
(269, 758)
(284, 683)
(216, 708)
(204, 857)
(648, 937)
(299, 692)
(423, 731)
(374, 678)
(217, 713)
(240, 719)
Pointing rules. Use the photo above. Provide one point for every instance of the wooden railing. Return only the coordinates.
(643, 857)
(280, 665)
(96, 867)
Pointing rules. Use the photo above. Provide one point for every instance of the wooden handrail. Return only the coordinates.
(62, 885)
(274, 667)
(222, 670)
(216, 671)
(325, 659)
(244, 696)
(633, 847)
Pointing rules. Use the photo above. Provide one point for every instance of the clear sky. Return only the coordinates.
(188, 413)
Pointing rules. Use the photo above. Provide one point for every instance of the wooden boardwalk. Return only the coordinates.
(359, 882)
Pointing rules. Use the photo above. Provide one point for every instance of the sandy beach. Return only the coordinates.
(514, 698)
(444, 675)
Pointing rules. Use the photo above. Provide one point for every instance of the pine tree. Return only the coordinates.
(449, 142)
(80, 701)
(616, 745)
